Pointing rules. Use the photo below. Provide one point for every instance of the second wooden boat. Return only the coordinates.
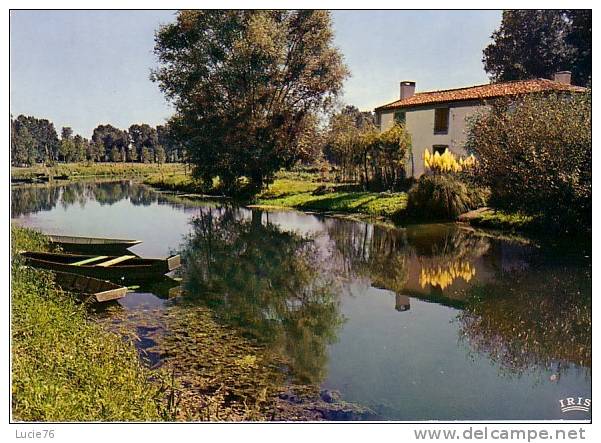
(115, 268)
(88, 288)
(91, 244)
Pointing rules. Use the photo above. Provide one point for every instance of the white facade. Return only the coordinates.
(419, 122)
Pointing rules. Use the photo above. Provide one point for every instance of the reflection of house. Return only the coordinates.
(437, 120)
(403, 303)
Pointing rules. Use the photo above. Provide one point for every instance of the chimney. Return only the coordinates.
(564, 77)
(407, 89)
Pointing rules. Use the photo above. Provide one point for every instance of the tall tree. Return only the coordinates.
(242, 82)
(539, 43)
(66, 147)
(22, 145)
(79, 148)
(143, 136)
(44, 136)
(579, 37)
(174, 150)
(111, 137)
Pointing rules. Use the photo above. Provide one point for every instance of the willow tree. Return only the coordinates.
(242, 83)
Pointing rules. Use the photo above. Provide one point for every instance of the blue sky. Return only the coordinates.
(84, 68)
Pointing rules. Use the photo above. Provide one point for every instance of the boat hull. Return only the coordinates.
(92, 245)
(135, 269)
(88, 288)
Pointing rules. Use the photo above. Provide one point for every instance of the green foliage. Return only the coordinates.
(115, 141)
(264, 281)
(115, 154)
(105, 169)
(22, 145)
(175, 182)
(66, 368)
(442, 197)
(33, 140)
(243, 83)
(507, 221)
(368, 203)
(539, 43)
(66, 149)
(363, 154)
(536, 157)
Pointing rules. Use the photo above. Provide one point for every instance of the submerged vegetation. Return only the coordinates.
(181, 362)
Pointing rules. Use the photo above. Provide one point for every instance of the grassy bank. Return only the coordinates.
(70, 366)
(501, 220)
(174, 181)
(372, 204)
(65, 367)
(298, 191)
(109, 169)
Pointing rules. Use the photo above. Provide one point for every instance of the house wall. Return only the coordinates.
(420, 124)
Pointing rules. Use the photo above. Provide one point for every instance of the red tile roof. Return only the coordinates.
(482, 92)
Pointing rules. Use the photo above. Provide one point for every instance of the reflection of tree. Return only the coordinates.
(111, 192)
(73, 193)
(443, 242)
(376, 252)
(266, 282)
(142, 195)
(532, 320)
(443, 253)
(30, 199)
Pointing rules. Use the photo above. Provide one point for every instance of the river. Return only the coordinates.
(425, 322)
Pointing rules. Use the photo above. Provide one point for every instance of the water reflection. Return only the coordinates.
(266, 282)
(536, 320)
(32, 199)
(306, 286)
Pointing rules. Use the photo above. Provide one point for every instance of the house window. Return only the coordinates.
(399, 117)
(441, 120)
(439, 148)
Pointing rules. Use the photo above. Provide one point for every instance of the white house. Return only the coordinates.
(436, 120)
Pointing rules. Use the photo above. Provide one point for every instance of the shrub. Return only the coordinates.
(442, 197)
(535, 155)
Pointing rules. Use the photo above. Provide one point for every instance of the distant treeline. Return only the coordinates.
(34, 140)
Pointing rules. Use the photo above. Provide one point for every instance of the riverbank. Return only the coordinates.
(490, 218)
(99, 169)
(65, 367)
(304, 192)
(70, 364)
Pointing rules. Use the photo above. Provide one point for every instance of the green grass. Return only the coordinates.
(497, 219)
(295, 190)
(66, 367)
(174, 182)
(285, 186)
(366, 203)
(108, 169)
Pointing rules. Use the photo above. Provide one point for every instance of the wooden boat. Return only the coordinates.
(88, 288)
(72, 243)
(115, 268)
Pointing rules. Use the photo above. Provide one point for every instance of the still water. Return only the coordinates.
(427, 322)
